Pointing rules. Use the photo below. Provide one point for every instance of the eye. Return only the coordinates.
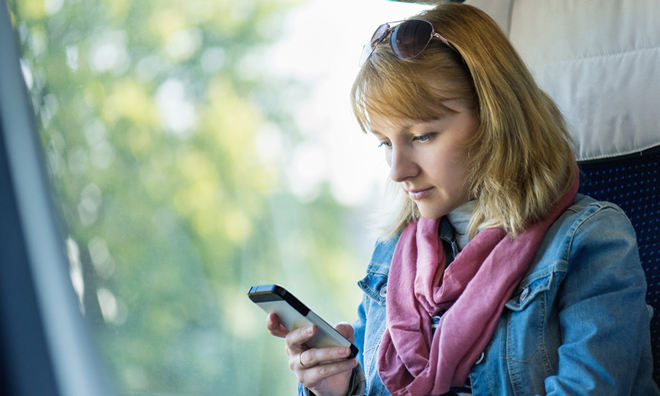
(424, 138)
(385, 144)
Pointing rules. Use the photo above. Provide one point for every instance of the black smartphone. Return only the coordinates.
(294, 314)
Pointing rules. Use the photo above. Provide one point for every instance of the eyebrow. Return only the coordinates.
(402, 130)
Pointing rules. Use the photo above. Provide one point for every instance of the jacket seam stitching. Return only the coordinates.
(530, 359)
(598, 208)
(490, 384)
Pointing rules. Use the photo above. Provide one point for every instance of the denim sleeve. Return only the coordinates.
(359, 327)
(357, 387)
(357, 383)
(603, 316)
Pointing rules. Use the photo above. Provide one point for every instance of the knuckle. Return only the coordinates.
(291, 342)
(309, 357)
(303, 379)
(293, 338)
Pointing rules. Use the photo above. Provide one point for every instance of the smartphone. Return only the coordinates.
(294, 314)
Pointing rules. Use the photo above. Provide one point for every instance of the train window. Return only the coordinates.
(196, 148)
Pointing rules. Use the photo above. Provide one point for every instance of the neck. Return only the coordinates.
(460, 220)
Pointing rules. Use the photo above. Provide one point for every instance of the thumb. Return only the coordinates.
(346, 330)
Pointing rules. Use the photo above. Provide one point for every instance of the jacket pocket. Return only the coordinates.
(533, 285)
(374, 285)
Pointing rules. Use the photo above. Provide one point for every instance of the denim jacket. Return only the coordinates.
(577, 324)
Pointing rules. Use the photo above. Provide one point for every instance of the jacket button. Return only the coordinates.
(383, 291)
(525, 294)
(481, 358)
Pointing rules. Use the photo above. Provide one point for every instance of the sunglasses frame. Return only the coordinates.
(391, 28)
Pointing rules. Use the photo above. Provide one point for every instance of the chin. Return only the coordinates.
(430, 213)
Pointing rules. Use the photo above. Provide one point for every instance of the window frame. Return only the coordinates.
(46, 347)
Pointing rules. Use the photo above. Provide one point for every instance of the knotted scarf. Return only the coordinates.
(415, 361)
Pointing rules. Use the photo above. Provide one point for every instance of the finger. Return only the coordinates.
(296, 339)
(314, 375)
(346, 330)
(296, 362)
(316, 357)
(275, 327)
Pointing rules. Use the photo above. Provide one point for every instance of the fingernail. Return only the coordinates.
(310, 330)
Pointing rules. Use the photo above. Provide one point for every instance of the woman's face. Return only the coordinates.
(428, 159)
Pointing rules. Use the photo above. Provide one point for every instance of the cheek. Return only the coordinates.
(451, 166)
(459, 173)
(458, 157)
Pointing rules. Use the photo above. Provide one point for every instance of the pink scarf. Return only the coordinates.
(415, 361)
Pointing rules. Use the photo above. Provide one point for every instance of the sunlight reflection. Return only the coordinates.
(103, 262)
(109, 53)
(75, 271)
(176, 113)
(53, 6)
(113, 310)
(183, 43)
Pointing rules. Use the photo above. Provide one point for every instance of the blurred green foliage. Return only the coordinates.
(149, 112)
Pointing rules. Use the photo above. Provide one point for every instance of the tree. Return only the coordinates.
(151, 116)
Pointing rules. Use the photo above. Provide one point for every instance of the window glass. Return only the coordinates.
(196, 148)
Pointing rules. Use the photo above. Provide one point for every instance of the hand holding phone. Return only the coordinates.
(294, 314)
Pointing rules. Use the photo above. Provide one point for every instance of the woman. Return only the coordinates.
(493, 276)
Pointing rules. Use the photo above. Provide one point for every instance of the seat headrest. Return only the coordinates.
(597, 60)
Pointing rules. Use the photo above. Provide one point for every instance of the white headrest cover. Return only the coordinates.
(598, 61)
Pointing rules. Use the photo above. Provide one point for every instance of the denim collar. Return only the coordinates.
(447, 234)
(446, 231)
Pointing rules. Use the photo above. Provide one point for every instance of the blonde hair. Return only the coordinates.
(520, 160)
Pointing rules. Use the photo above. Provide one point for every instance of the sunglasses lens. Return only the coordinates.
(379, 35)
(411, 38)
(376, 38)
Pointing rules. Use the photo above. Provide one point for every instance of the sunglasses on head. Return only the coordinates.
(408, 38)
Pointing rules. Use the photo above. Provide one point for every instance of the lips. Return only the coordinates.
(417, 195)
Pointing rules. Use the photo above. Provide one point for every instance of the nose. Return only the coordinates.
(402, 165)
